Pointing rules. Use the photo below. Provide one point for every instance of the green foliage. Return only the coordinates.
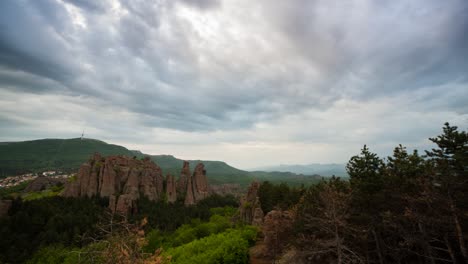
(55, 254)
(280, 195)
(230, 247)
(450, 158)
(292, 179)
(53, 191)
(168, 217)
(42, 222)
(196, 229)
(69, 154)
(408, 209)
(365, 171)
(13, 192)
(45, 154)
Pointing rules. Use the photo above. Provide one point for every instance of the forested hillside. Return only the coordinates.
(69, 154)
(44, 154)
(407, 208)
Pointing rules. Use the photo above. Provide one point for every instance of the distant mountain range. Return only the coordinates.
(69, 154)
(327, 170)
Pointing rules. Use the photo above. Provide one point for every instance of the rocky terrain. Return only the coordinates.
(125, 179)
(250, 211)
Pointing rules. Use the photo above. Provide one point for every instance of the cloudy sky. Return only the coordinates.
(252, 83)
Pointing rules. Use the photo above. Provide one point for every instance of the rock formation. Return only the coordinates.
(189, 196)
(277, 229)
(200, 183)
(124, 180)
(171, 192)
(120, 178)
(184, 175)
(250, 210)
(197, 186)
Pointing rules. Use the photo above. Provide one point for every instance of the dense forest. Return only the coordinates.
(406, 208)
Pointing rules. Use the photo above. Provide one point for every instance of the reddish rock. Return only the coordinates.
(124, 204)
(277, 229)
(257, 218)
(72, 189)
(184, 175)
(197, 186)
(109, 181)
(200, 183)
(171, 192)
(152, 183)
(115, 175)
(250, 210)
(83, 178)
(189, 196)
(131, 187)
(125, 179)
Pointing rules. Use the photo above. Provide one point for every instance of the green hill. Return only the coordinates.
(69, 154)
(44, 154)
(217, 171)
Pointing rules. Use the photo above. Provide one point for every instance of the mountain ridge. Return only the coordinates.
(324, 169)
(69, 154)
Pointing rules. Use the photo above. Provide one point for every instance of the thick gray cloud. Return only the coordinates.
(221, 74)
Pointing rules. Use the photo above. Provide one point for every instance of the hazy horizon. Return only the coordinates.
(253, 84)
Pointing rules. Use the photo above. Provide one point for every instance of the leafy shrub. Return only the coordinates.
(229, 247)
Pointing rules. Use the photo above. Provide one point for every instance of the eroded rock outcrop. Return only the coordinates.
(124, 180)
(250, 210)
(277, 229)
(184, 175)
(197, 186)
(200, 183)
(120, 178)
(171, 191)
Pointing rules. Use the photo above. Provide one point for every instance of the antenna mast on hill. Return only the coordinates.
(82, 135)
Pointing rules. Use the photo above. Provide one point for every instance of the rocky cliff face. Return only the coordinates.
(120, 178)
(200, 183)
(171, 191)
(184, 175)
(250, 210)
(197, 186)
(277, 230)
(125, 179)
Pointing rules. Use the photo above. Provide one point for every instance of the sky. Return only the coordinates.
(252, 83)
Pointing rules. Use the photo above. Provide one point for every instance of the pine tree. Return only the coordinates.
(450, 160)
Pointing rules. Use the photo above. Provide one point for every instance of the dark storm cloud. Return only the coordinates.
(236, 64)
(202, 4)
(30, 42)
(89, 5)
(391, 47)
